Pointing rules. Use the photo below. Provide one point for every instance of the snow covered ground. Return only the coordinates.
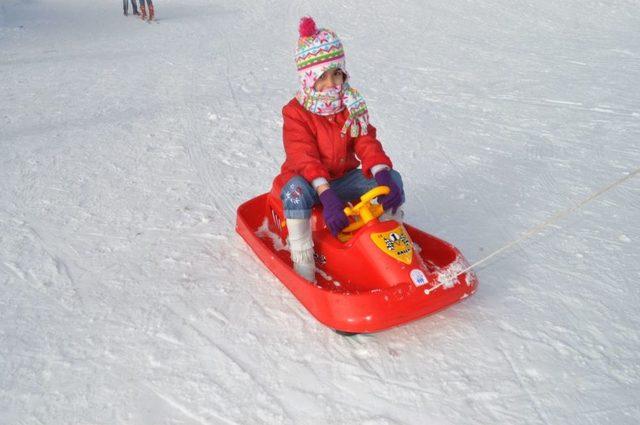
(125, 148)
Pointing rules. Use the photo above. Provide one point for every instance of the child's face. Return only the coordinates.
(329, 79)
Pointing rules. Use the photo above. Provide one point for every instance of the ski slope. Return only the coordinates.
(125, 148)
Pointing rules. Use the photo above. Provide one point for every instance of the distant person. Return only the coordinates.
(125, 6)
(143, 10)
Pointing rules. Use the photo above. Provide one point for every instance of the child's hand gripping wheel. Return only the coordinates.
(363, 212)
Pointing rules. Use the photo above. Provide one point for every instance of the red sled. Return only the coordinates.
(375, 275)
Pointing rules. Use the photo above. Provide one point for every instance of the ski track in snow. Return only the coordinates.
(126, 148)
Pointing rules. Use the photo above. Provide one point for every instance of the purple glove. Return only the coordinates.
(333, 212)
(394, 199)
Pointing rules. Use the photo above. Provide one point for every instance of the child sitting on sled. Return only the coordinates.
(327, 137)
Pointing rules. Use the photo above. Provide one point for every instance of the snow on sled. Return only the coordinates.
(375, 275)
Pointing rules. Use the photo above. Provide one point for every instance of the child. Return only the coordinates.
(143, 11)
(327, 136)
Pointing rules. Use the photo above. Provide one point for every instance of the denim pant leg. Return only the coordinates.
(354, 184)
(298, 198)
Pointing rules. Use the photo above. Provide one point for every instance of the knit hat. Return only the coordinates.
(318, 50)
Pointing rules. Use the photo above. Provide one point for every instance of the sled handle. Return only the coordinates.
(364, 211)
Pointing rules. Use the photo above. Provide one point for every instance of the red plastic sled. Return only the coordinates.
(379, 275)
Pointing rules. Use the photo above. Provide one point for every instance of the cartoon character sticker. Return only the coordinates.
(418, 278)
(395, 243)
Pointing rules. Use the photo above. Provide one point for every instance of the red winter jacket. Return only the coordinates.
(315, 148)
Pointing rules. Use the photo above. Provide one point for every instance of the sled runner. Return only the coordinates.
(375, 275)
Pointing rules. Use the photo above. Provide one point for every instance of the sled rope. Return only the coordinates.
(548, 222)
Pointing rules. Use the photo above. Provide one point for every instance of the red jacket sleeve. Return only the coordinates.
(370, 151)
(300, 147)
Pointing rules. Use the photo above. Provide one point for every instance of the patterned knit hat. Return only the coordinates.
(318, 50)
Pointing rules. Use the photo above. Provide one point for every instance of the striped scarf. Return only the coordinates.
(334, 100)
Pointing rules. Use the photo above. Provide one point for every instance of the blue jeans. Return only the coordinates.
(125, 6)
(299, 197)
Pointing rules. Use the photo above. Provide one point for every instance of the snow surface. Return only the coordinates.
(125, 148)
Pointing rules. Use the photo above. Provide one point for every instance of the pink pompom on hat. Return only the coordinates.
(318, 50)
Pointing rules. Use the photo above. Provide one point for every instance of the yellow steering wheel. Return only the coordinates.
(363, 212)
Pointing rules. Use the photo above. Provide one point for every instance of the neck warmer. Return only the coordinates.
(334, 100)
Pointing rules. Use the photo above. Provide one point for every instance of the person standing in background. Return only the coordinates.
(143, 10)
(125, 6)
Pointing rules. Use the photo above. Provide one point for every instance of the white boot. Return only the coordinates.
(301, 245)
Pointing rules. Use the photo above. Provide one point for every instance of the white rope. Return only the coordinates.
(541, 226)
